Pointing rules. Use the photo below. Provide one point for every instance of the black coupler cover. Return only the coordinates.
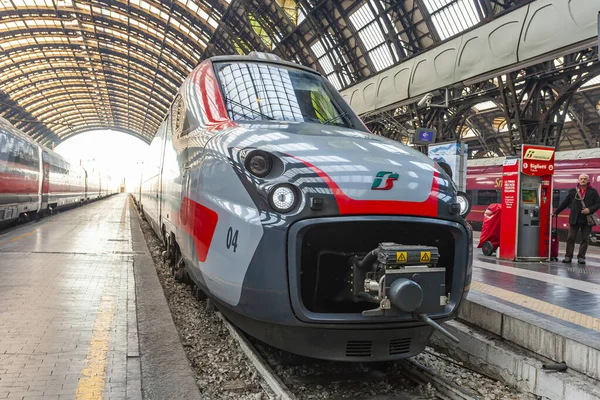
(397, 255)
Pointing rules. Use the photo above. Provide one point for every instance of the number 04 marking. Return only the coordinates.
(232, 239)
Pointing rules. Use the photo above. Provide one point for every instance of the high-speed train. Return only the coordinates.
(306, 230)
(35, 180)
(484, 183)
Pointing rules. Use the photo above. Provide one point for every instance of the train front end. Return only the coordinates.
(336, 243)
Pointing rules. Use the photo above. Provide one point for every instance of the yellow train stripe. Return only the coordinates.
(540, 306)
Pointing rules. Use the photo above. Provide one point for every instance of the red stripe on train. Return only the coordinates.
(213, 105)
(199, 222)
(348, 206)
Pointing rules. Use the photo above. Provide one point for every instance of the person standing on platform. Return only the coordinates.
(578, 216)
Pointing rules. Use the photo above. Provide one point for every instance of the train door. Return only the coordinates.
(40, 179)
(172, 176)
(162, 132)
(85, 185)
(45, 179)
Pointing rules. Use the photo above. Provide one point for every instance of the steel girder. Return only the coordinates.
(535, 101)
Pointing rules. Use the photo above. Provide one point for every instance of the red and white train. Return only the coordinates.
(35, 180)
(484, 183)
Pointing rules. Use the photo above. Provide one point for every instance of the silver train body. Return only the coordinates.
(35, 180)
(309, 232)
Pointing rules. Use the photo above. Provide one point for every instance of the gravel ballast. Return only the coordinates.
(221, 368)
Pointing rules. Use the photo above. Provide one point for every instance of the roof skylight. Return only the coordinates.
(451, 17)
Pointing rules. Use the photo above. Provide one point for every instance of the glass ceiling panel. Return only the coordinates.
(372, 36)
(56, 57)
(592, 82)
(451, 17)
(486, 105)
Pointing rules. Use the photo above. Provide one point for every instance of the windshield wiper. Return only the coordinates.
(249, 109)
(330, 120)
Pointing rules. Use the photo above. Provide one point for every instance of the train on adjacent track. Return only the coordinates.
(306, 230)
(484, 183)
(35, 180)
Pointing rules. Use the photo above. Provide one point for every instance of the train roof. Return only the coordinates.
(559, 156)
(262, 57)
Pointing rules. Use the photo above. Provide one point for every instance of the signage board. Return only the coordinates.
(537, 160)
(455, 155)
(425, 135)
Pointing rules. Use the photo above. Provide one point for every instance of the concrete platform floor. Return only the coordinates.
(68, 312)
(566, 294)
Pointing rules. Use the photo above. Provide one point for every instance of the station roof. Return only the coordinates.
(75, 65)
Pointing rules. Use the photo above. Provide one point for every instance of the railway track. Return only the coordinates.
(411, 369)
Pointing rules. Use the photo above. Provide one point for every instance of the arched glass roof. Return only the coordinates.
(73, 65)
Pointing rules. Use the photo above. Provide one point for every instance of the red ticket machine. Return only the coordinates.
(527, 204)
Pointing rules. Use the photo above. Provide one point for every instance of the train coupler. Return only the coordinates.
(400, 279)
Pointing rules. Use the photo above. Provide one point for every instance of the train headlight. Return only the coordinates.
(464, 200)
(259, 163)
(283, 198)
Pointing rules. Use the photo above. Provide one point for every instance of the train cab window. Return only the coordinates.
(262, 91)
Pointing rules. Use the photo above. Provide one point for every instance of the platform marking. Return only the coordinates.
(20, 237)
(577, 284)
(538, 305)
(91, 386)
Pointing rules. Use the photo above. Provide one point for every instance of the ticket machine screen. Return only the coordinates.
(529, 196)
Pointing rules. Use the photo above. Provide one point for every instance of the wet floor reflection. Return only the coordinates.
(562, 296)
(588, 273)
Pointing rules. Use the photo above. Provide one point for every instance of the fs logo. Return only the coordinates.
(530, 153)
(379, 179)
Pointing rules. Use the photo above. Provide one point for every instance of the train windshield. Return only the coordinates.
(258, 92)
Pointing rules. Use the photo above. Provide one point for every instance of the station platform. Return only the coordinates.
(550, 308)
(72, 324)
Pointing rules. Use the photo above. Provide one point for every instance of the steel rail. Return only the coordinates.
(275, 384)
(447, 390)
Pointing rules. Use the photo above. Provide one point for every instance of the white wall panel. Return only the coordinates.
(434, 68)
(393, 85)
(491, 46)
(553, 24)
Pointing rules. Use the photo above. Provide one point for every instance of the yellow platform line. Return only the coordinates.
(20, 237)
(91, 386)
(540, 306)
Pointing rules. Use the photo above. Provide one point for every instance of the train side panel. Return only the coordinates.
(19, 175)
(484, 185)
(151, 185)
(172, 174)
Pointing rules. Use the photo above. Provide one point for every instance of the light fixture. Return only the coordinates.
(283, 198)
(259, 163)
(464, 200)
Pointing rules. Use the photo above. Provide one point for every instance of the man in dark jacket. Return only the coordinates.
(578, 216)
